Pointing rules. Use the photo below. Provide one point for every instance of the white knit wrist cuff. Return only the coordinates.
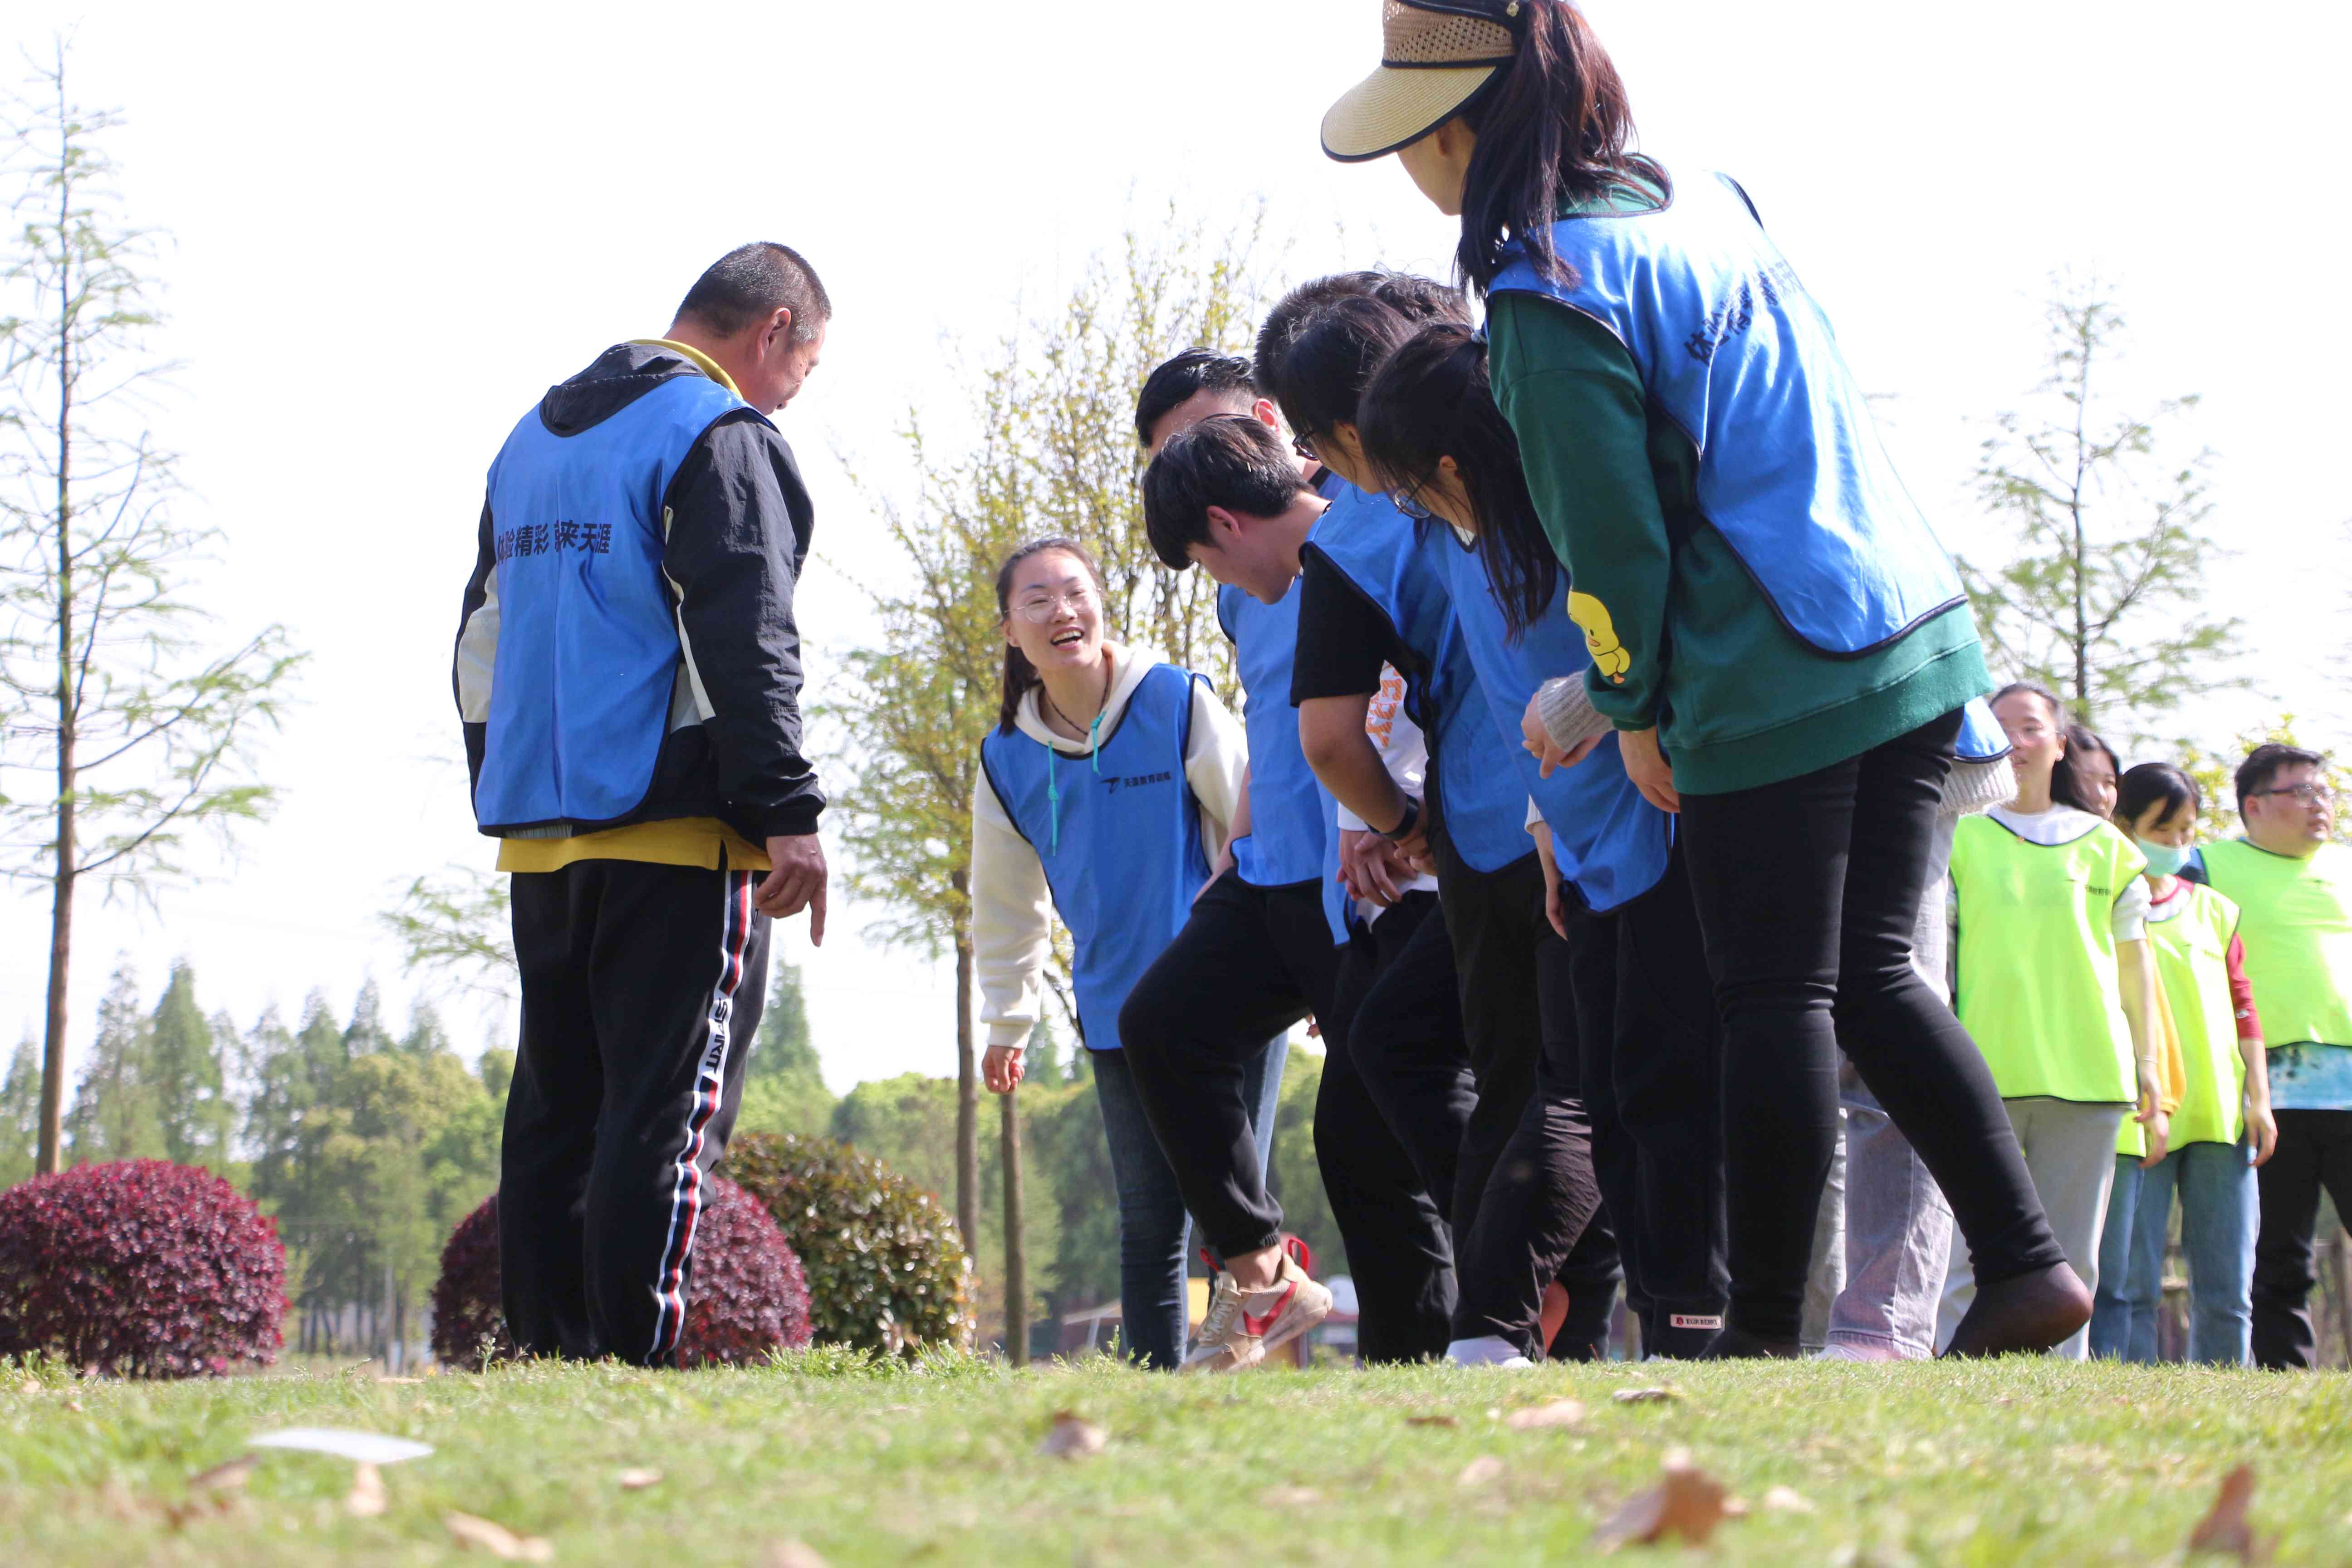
(1567, 714)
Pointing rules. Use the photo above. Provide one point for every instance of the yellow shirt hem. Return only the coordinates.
(702, 841)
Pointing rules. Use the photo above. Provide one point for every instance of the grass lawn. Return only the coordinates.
(2027, 1461)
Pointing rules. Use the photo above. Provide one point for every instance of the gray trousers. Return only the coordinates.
(1885, 1235)
(2070, 1151)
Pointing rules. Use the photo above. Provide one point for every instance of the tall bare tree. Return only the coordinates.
(1052, 451)
(2100, 598)
(135, 732)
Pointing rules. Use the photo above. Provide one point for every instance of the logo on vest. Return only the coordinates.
(554, 538)
(1113, 784)
(1727, 321)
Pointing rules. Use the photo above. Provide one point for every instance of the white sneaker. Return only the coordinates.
(1486, 1349)
(1240, 1328)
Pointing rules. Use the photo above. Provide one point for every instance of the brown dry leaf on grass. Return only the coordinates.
(638, 1479)
(2226, 1529)
(367, 1499)
(1430, 1421)
(224, 1476)
(1072, 1436)
(1554, 1412)
(1479, 1471)
(791, 1554)
(497, 1540)
(1644, 1395)
(1786, 1499)
(1290, 1496)
(1686, 1501)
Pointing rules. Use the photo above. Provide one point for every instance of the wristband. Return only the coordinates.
(1406, 824)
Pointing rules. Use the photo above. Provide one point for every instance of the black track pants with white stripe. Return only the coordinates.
(641, 987)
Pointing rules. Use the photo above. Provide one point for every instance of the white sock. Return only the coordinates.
(1486, 1349)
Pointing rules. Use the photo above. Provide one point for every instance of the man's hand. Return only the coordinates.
(1648, 768)
(1000, 1068)
(1370, 867)
(796, 883)
(2264, 1128)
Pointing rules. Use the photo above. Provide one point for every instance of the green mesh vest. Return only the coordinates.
(2037, 960)
(2295, 917)
(2192, 959)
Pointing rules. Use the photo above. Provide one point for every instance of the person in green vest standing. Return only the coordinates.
(2293, 884)
(2222, 1129)
(2056, 988)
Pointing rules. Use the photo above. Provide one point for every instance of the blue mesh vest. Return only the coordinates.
(1791, 471)
(1609, 841)
(1981, 739)
(1290, 816)
(1393, 562)
(1119, 835)
(587, 647)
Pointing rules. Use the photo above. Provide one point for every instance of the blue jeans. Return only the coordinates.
(1154, 1231)
(2218, 1217)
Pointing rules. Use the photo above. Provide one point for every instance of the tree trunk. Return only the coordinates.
(1016, 1246)
(967, 1195)
(50, 1157)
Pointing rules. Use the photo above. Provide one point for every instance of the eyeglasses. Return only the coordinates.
(1304, 447)
(1037, 611)
(2308, 793)
(1405, 503)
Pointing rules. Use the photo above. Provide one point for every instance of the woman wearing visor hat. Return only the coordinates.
(1765, 606)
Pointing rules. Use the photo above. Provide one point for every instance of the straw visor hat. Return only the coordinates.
(1435, 55)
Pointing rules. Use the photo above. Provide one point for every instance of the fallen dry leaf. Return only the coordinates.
(1430, 1421)
(1644, 1395)
(74, 1406)
(1786, 1499)
(1072, 1436)
(225, 1476)
(1534, 1417)
(497, 1540)
(638, 1479)
(1290, 1496)
(1479, 1471)
(2226, 1529)
(791, 1554)
(30, 1385)
(366, 1499)
(1686, 1501)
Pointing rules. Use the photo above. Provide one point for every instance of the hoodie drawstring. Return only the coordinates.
(1054, 784)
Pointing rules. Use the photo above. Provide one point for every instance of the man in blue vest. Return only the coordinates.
(628, 673)
(1260, 952)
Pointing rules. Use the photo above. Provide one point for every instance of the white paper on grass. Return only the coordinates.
(361, 1448)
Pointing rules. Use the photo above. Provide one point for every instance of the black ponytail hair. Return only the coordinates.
(1431, 399)
(1554, 131)
(1020, 675)
(2066, 781)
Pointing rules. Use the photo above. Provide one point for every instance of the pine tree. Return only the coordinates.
(784, 1090)
(20, 1112)
(118, 1109)
(198, 1118)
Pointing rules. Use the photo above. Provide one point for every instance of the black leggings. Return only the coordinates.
(1808, 893)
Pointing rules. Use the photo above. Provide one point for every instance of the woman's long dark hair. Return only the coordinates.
(1430, 399)
(1554, 131)
(2066, 781)
(1020, 675)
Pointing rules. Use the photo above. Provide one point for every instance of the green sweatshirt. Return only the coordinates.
(1738, 700)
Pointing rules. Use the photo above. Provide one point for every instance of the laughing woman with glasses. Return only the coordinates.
(1109, 783)
(1766, 607)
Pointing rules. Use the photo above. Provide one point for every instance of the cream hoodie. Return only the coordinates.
(1011, 908)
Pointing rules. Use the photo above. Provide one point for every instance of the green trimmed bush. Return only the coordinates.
(885, 1271)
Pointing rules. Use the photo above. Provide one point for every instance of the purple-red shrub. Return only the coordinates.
(747, 1297)
(140, 1268)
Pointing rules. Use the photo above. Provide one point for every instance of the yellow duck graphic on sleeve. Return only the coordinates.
(1609, 656)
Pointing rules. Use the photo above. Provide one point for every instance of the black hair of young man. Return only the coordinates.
(2267, 762)
(1418, 299)
(1178, 381)
(755, 281)
(1228, 460)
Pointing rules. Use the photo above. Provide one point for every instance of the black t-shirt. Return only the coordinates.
(1343, 637)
